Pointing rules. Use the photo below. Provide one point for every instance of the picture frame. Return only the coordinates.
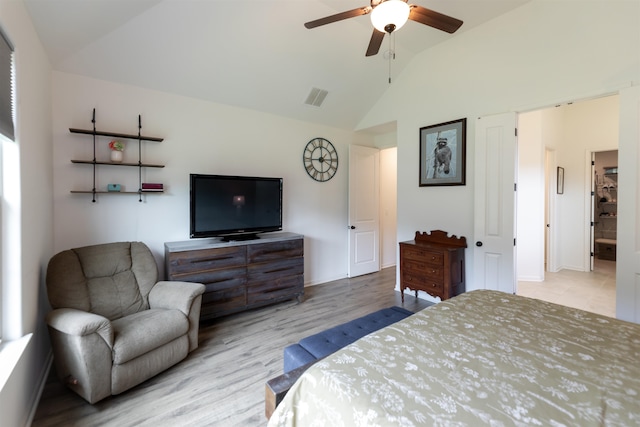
(443, 150)
(560, 180)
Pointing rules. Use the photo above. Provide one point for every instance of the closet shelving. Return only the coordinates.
(606, 214)
(607, 191)
(95, 163)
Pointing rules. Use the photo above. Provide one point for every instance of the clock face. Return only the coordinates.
(320, 159)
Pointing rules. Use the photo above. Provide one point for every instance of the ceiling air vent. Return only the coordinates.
(316, 97)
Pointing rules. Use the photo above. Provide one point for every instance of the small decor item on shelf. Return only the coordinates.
(113, 187)
(150, 186)
(116, 150)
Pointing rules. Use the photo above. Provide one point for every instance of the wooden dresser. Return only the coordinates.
(239, 275)
(434, 263)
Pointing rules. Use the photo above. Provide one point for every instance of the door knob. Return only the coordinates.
(478, 243)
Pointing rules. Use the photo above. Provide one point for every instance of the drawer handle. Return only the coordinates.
(278, 270)
(433, 258)
(434, 285)
(202, 260)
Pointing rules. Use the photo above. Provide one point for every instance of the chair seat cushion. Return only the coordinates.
(146, 330)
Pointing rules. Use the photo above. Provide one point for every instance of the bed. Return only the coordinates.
(481, 358)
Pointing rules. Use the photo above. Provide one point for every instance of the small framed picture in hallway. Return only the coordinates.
(560, 181)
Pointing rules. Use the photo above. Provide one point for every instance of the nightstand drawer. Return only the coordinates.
(423, 255)
(419, 267)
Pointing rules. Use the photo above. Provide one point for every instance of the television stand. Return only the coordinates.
(239, 275)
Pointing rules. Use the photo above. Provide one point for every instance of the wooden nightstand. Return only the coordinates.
(433, 263)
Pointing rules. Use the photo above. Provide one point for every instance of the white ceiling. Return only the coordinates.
(253, 54)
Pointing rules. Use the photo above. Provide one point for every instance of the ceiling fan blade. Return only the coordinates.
(375, 42)
(338, 17)
(434, 19)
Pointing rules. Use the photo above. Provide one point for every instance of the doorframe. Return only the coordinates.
(551, 219)
(553, 264)
(592, 209)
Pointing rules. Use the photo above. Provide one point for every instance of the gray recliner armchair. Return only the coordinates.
(113, 325)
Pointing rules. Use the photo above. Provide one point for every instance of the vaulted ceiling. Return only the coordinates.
(253, 54)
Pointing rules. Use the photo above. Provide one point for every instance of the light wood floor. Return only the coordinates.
(591, 291)
(222, 382)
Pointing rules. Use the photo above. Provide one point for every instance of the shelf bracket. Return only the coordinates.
(93, 120)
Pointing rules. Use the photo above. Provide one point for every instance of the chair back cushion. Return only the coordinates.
(112, 280)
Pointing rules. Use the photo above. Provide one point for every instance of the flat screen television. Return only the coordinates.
(234, 207)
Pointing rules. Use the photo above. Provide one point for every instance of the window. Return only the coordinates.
(6, 87)
(7, 136)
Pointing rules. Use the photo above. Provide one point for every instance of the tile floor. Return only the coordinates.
(594, 291)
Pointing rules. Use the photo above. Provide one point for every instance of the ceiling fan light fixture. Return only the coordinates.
(390, 15)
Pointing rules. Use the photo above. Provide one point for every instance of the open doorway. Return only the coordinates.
(605, 205)
(554, 207)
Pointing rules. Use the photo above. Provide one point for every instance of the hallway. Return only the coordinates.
(594, 291)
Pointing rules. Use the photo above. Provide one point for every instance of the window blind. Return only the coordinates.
(6, 87)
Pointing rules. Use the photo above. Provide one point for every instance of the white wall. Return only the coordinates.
(199, 137)
(532, 57)
(25, 301)
(587, 127)
(388, 206)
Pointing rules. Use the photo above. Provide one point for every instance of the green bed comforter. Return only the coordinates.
(481, 358)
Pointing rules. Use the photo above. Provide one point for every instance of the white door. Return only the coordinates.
(628, 240)
(494, 226)
(364, 205)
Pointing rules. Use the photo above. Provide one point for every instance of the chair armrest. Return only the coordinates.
(175, 295)
(80, 323)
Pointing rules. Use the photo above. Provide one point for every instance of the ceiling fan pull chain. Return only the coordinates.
(391, 53)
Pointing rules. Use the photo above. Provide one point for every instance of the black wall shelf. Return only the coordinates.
(91, 162)
(114, 192)
(94, 162)
(116, 135)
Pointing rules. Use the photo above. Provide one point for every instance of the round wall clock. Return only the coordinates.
(320, 159)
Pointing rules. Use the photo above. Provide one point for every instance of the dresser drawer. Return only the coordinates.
(270, 271)
(420, 282)
(418, 267)
(274, 251)
(223, 301)
(223, 279)
(423, 255)
(189, 262)
(280, 288)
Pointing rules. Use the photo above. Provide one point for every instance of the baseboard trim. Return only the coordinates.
(37, 395)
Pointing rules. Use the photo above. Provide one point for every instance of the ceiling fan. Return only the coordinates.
(388, 16)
